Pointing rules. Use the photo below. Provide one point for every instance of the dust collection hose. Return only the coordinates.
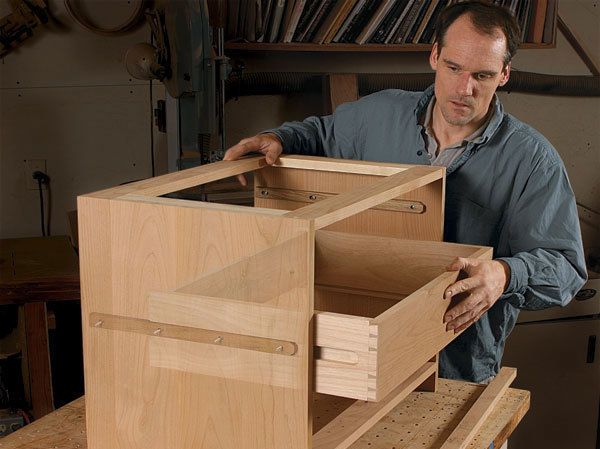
(279, 83)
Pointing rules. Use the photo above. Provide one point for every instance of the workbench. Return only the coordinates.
(422, 420)
(34, 271)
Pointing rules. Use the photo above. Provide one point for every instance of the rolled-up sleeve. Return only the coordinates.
(547, 263)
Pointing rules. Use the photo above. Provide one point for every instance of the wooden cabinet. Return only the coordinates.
(217, 326)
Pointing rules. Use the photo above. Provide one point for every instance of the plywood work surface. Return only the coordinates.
(425, 420)
(422, 420)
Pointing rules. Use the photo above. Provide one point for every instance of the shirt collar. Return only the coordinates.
(481, 135)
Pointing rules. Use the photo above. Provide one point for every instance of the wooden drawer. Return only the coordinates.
(367, 340)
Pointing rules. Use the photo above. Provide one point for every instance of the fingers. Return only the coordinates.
(466, 319)
(460, 263)
(482, 287)
(242, 180)
(464, 264)
(240, 149)
(464, 306)
(267, 144)
(271, 156)
(461, 286)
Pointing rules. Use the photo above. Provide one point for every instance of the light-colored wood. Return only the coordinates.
(200, 272)
(319, 178)
(393, 265)
(424, 419)
(337, 332)
(393, 344)
(421, 420)
(337, 208)
(343, 166)
(351, 301)
(475, 417)
(231, 300)
(361, 416)
(266, 277)
(129, 249)
(431, 383)
(184, 179)
(413, 207)
(193, 334)
(200, 205)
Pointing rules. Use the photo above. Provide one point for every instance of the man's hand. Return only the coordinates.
(267, 144)
(486, 280)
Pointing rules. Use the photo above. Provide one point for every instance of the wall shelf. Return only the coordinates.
(374, 48)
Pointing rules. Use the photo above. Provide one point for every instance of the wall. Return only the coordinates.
(66, 97)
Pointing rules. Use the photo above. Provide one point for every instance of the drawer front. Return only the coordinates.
(345, 355)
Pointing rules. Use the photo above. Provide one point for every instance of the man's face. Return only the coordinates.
(469, 69)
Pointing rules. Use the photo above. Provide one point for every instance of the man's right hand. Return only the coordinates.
(267, 144)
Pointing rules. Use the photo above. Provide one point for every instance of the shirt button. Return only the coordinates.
(419, 153)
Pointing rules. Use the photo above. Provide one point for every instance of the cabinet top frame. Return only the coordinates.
(397, 179)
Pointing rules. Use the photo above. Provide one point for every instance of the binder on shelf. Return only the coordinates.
(306, 18)
(424, 21)
(360, 20)
(388, 22)
(408, 21)
(340, 19)
(276, 23)
(294, 19)
(332, 17)
(285, 21)
(429, 33)
(550, 22)
(319, 20)
(392, 35)
(349, 20)
(415, 25)
(375, 21)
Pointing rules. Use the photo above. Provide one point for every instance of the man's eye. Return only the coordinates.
(482, 76)
(453, 69)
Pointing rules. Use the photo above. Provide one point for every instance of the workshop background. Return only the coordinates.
(69, 108)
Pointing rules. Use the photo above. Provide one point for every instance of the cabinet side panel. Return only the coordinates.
(96, 295)
(160, 248)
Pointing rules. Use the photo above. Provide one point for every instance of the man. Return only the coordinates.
(506, 185)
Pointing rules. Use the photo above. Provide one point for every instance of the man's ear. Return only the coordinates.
(433, 56)
(505, 74)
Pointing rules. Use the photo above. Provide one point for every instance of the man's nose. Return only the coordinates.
(465, 84)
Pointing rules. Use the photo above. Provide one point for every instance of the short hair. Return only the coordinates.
(486, 17)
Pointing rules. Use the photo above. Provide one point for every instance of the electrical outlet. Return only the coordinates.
(31, 166)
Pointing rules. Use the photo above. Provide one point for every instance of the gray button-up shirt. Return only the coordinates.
(508, 189)
(445, 157)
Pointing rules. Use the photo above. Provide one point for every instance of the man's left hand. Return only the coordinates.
(486, 280)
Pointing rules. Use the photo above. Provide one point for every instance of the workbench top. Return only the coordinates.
(422, 420)
(38, 269)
